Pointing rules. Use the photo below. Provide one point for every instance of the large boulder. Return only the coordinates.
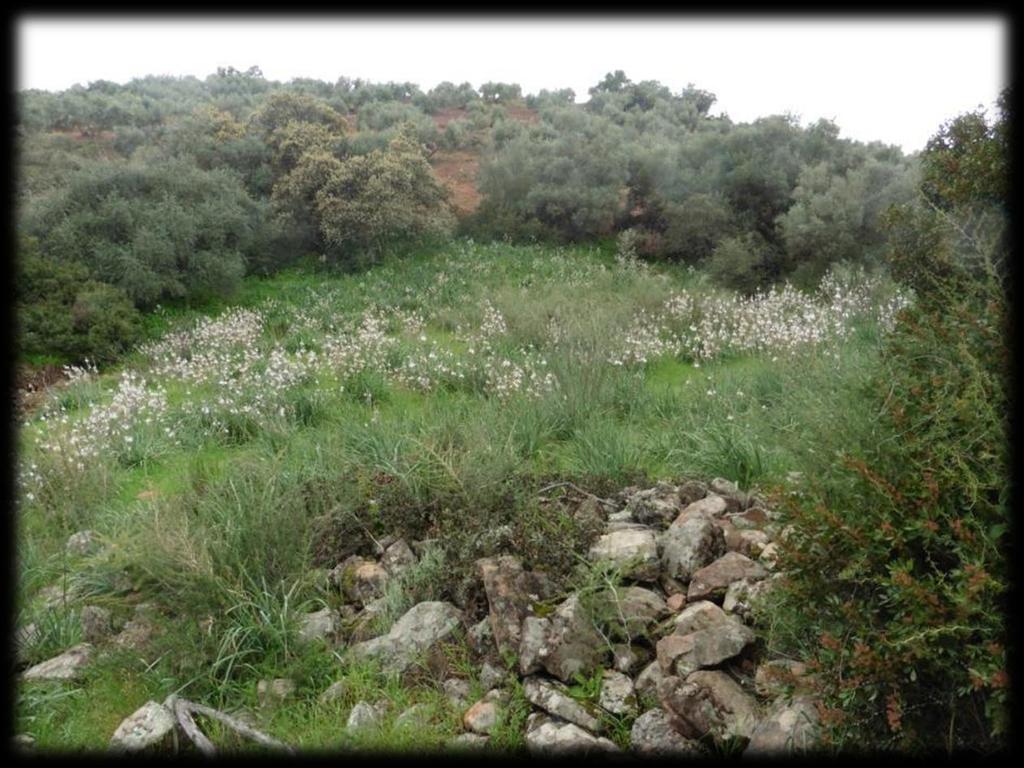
(571, 645)
(554, 699)
(789, 727)
(546, 735)
(712, 581)
(150, 727)
(634, 551)
(422, 627)
(709, 703)
(653, 736)
(67, 666)
(689, 545)
(508, 597)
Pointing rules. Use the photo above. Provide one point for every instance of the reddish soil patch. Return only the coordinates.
(32, 382)
(457, 170)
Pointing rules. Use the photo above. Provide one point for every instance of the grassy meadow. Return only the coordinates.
(253, 444)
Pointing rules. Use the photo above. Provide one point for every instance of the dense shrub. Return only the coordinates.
(61, 312)
(158, 232)
(900, 561)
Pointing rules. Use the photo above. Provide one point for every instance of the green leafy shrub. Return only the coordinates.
(899, 557)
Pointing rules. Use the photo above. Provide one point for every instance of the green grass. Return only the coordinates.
(234, 526)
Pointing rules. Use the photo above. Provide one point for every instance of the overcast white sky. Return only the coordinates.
(892, 79)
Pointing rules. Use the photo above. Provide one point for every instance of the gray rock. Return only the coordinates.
(788, 728)
(625, 516)
(23, 742)
(335, 692)
(532, 644)
(135, 635)
(546, 735)
(617, 695)
(683, 654)
(712, 581)
(689, 545)
(711, 506)
(67, 666)
(319, 625)
(691, 491)
(273, 692)
(95, 622)
(480, 637)
(151, 727)
(655, 506)
(653, 736)
(742, 596)
(397, 558)
(769, 556)
(709, 703)
(646, 684)
(456, 690)
(750, 543)
(629, 658)
(633, 609)
(363, 716)
(469, 741)
(82, 543)
(554, 699)
(508, 598)
(571, 644)
(633, 551)
(416, 716)
(360, 580)
(491, 675)
(421, 628)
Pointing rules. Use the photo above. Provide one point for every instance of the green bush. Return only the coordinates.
(899, 557)
(61, 312)
(158, 232)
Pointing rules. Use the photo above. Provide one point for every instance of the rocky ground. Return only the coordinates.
(664, 635)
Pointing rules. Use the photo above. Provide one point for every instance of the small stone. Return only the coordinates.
(67, 666)
(457, 691)
(689, 545)
(571, 645)
(646, 684)
(712, 581)
(135, 635)
(691, 491)
(655, 506)
(335, 692)
(397, 558)
(421, 628)
(546, 735)
(710, 506)
(789, 727)
(23, 742)
(469, 741)
(82, 543)
(617, 695)
(708, 703)
(676, 602)
(319, 625)
(416, 716)
(532, 644)
(491, 675)
(633, 551)
(95, 622)
(629, 658)
(273, 692)
(481, 717)
(480, 637)
(653, 736)
(554, 698)
(769, 556)
(151, 727)
(625, 516)
(363, 716)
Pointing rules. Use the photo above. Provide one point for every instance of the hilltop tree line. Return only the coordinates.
(171, 189)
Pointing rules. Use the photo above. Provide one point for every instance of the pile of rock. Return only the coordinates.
(692, 559)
